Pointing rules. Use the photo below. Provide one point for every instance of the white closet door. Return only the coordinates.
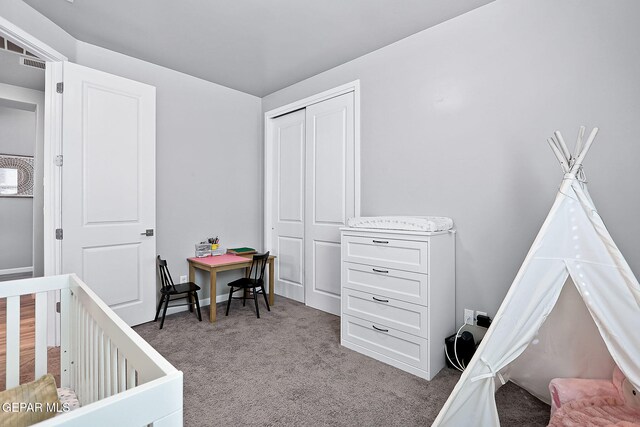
(109, 193)
(330, 196)
(288, 203)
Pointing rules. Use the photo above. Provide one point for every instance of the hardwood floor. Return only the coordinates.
(27, 343)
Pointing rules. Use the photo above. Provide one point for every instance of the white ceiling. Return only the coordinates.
(256, 46)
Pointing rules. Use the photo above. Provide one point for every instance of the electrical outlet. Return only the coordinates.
(480, 313)
(468, 316)
(183, 279)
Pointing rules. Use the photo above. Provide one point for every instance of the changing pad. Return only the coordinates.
(410, 223)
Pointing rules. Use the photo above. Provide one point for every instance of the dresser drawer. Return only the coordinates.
(397, 345)
(379, 309)
(397, 284)
(407, 255)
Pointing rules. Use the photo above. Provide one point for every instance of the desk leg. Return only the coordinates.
(192, 279)
(212, 296)
(271, 283)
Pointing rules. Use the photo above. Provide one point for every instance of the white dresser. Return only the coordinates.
(398, 296)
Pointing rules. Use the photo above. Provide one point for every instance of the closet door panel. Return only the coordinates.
(328, 157)
(289, 203)
(330, 191)
(291, 173)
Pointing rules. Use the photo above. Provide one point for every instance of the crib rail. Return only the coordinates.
(12, 291)
(105, 355)
(118, 377)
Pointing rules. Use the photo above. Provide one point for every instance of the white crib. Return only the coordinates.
(119, 379)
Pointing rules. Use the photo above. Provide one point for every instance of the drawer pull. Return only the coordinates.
(379, 329)
(381, 241)
(380, 271)
(380, 300)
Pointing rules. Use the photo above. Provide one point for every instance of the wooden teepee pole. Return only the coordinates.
(563, 146)
(578, 146)
(584, 151)
(559, 156)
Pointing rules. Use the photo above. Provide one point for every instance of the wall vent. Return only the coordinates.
(9, 46)
(33, 63)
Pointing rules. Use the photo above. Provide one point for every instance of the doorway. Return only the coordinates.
(95, 198)
(21, 166)
(311, 188)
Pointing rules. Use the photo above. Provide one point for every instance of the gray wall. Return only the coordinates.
(208, 160)
(455, 118)
(18, 137)
(12, 73)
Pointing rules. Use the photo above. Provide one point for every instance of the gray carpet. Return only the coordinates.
(288, 369)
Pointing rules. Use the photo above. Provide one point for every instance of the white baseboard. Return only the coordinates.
(16, 270)
(203, 302)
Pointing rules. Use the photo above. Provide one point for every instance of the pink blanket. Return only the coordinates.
(599, 411)
(565, 390)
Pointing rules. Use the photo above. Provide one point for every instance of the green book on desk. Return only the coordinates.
(242, 251)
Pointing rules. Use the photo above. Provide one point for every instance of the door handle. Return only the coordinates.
(380, 271)
(380, 300)
(148, 232)
(380, 329)
(381, 241)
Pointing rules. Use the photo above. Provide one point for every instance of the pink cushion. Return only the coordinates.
(595, 412)
(564, 390)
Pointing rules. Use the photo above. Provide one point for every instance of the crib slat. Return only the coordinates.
(41, 334)
(67, 318)
(106, 366)
(92, 368)
(92, 358)
(101, 368)
(75, 342)
(96, 361)
(85, 365)
(97, 355)
(131, 376)
(78, 343)
(114, 369)
(80, 365)
(13, 341)
(122, 372)
(85, 357)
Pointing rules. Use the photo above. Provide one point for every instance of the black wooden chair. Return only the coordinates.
(187, 290)
(253, 281)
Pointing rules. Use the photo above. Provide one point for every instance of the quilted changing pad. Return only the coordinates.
(410, 223)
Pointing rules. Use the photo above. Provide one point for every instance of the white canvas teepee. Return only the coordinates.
(572, 247)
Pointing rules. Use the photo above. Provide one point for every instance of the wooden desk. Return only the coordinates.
(214, 264)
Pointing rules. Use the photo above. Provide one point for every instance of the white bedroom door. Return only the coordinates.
(288, 203)
(108, 188)
(330, 196)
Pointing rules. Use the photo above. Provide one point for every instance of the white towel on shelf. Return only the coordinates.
(410, 223)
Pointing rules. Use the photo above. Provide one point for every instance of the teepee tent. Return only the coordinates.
(572, 247)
